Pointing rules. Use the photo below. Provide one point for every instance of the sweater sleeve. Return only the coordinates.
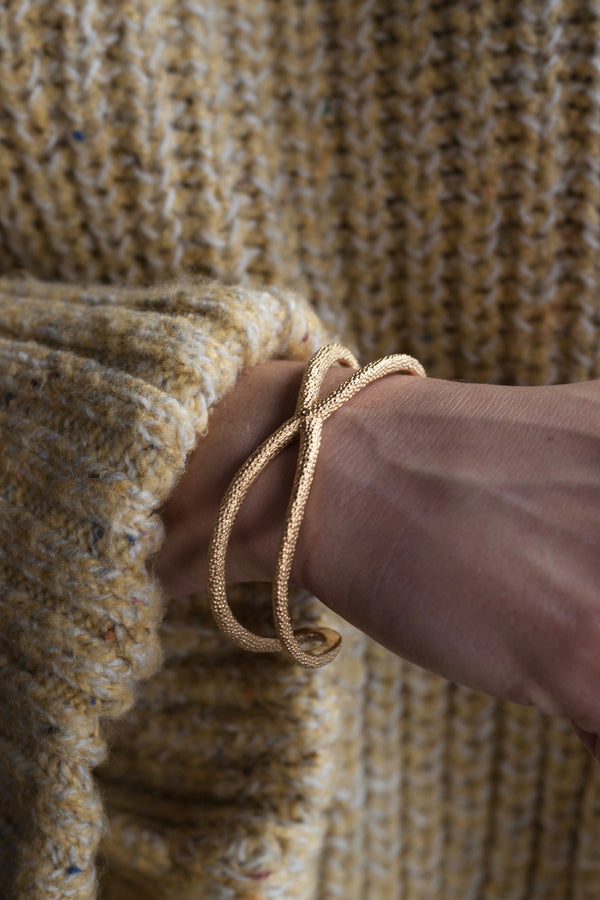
(104, 392)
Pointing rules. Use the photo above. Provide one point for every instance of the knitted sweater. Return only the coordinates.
(189, 188)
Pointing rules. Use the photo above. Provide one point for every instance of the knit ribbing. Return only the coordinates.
(220, 781)
(425, 175)
(101, 399)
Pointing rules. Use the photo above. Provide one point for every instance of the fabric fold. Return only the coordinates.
(104, 393)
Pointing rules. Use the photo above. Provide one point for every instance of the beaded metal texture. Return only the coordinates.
(307, 422)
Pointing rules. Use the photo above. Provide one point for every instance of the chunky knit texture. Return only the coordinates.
(418, 177)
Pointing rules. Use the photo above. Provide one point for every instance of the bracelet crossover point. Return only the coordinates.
(324, 644)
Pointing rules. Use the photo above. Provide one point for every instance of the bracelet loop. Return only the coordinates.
(307, 422)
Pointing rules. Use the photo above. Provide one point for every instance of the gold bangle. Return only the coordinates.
(307, 422)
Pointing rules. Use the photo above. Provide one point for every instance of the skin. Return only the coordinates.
(456, 524)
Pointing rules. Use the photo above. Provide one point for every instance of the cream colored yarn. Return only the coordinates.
(412, 175)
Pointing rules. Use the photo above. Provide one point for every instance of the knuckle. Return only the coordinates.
(516, 688)
(584, 709)
(567, 682)
(580, 677)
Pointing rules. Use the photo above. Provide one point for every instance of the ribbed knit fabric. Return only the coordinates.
(418, 177)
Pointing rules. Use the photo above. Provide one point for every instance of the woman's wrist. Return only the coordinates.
(343, 499)
(257, 532)
(261, 400)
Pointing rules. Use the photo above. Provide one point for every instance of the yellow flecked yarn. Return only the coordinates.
(189, 188)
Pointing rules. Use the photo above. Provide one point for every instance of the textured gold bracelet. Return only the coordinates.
(307, 422)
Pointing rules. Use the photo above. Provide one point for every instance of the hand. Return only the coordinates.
(467, 512)
(459, 526)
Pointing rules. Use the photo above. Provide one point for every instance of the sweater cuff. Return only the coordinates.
(104, 393)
